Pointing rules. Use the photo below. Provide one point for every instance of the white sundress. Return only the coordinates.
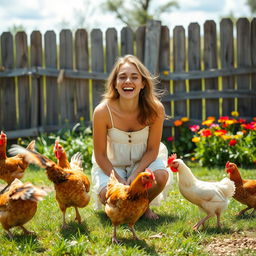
(124, 150)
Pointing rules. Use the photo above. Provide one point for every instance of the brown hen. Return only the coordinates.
(18, 205)
(126, 204)
(11, 167)
(71, 184)
(245, 192)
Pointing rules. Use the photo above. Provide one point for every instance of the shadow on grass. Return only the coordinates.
(75, 229)
(245, 217)
(215, 230)
(27, 241)
(141, 244)
(143, 223)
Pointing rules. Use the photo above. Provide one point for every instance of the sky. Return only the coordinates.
(46, 15)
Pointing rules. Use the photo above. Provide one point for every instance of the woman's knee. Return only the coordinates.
(102, 195)
(161, 177)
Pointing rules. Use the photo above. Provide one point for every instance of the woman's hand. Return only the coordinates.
(131, 178)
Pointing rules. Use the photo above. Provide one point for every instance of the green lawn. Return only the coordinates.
(172, 234)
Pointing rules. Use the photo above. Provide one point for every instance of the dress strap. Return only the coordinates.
(112, 123)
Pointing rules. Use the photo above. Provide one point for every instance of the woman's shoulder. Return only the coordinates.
(160, 107)
(101, 109)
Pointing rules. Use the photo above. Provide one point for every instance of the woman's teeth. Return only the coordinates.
(128, 89)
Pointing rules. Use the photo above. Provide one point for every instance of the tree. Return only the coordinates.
(252, 5)
(137, 12)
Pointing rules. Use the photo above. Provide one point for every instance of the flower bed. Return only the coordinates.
(217, 141)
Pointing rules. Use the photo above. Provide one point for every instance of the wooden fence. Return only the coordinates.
(44, 85)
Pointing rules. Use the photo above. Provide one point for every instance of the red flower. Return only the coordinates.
(232, 142)
(249, 126)
(170, 138)
(206, 133)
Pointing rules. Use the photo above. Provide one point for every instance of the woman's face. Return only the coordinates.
(129, 81)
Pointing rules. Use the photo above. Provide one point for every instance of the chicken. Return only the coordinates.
(71, 184)
(11, 167)
(126, 204)
(211, 197)
(62, 159)
(245, 189)
(18, 205)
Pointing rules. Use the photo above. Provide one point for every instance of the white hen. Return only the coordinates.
(211, 197)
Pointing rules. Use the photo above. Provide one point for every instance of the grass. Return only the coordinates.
(173, 231)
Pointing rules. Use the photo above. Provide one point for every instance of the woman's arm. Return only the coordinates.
(154, 139)
(100, 128)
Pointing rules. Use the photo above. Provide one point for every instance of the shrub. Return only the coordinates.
(77, 139)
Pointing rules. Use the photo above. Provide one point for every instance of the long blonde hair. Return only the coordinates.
(148, 97)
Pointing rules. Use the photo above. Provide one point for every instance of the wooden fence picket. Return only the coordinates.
(194, 63)
(67, 97)
(111, 48)
(126, 41)
(82, 93)
(243, 60)
(24, 100)
(210, 62)
(164, 66)
(8, 115)
(227, 61)
(97, 60)
(37, 99)
(52, 95)
(140, 42)
(253, 55)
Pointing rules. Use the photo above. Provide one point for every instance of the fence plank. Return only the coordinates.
(37, 95)
(210, 61)
(179, 62)
(152, 42)
(8, 115)
(52, 95)
(243, 60)
(97, 64)
(227, 61)
(24, 112)
(82, 86)
(67, 97)
(126, 41)
(164, 65)
(179, 57)
(111, 48)
(140, 42)
(253, 54)
(194, 63)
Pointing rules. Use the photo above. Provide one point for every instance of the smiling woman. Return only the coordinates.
(127, 129)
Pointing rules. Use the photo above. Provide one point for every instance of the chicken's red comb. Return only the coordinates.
(152, 174)
(171, 159)
(227, 164)
(3, 135)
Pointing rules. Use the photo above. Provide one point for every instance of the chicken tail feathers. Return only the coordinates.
(227, 186)
(31, 157)
(31, 145)
(76, 160)
(25, 191)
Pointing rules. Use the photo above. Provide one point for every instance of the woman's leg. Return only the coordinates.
(161, 180)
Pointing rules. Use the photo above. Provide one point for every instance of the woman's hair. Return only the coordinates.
(148, 97)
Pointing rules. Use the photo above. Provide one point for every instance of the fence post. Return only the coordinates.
(152, 43)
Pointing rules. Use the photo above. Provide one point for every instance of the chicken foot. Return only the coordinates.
(244, 210)
(133, 232)
(114, 239)
(201, 222)
(78, 216)
(64, 223)
(26, 231)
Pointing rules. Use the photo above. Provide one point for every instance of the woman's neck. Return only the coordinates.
(129, 106)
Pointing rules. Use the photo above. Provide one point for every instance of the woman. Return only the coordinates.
(127, 130)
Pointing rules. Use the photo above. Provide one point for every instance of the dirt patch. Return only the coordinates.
(233, 245)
